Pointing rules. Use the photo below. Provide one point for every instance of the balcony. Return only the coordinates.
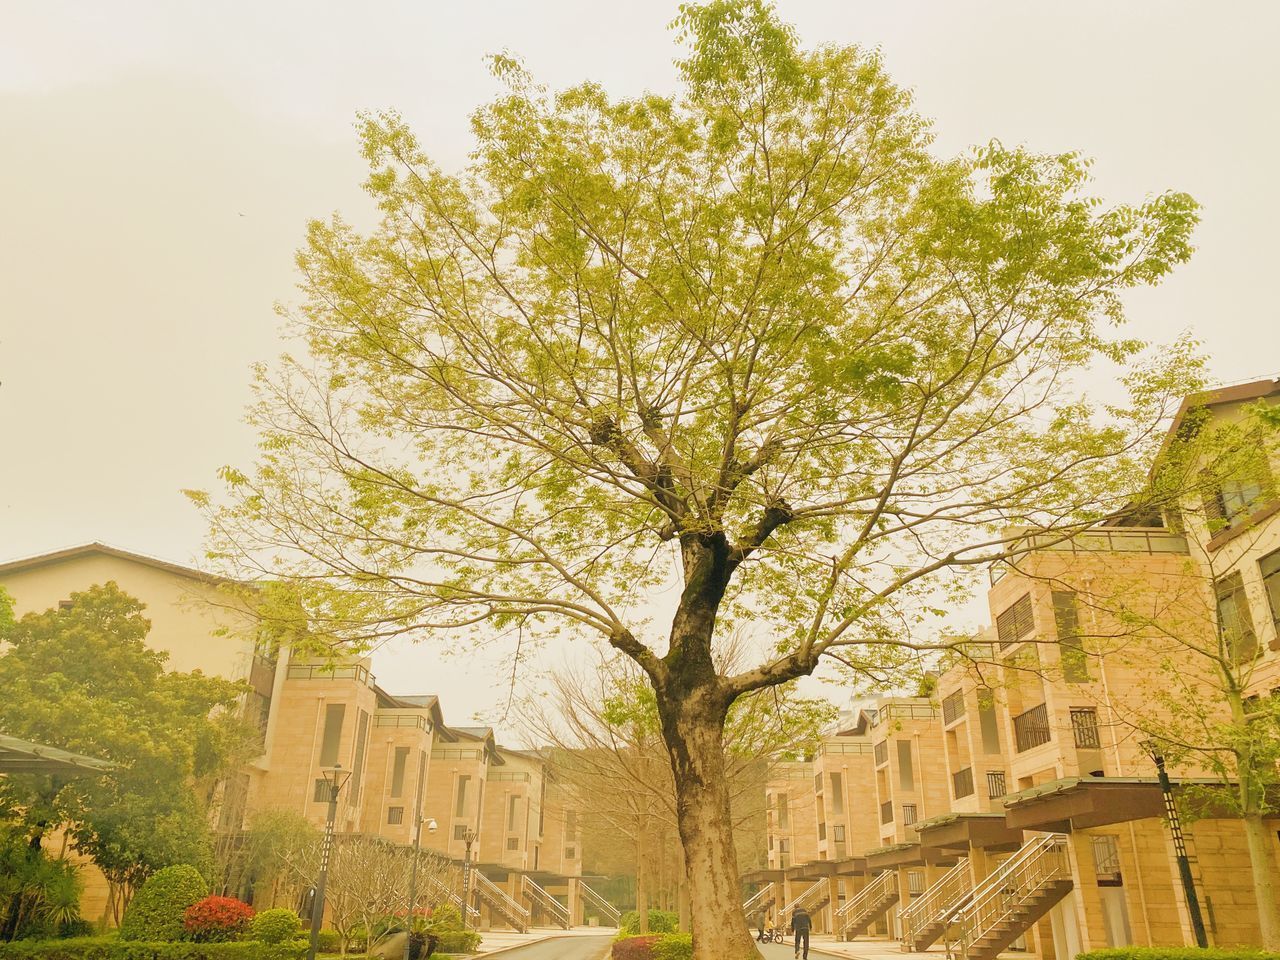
(886, 812)
(962, 783)
(1149, 540)
(321, 671)
(1031, 728)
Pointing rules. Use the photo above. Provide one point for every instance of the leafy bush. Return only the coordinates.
(660, 921)
(1178, 953)
(457, 941)
(635, 948)
(674, 946)
(276, 926)
(155, 913)
(444, 917)
(328, 941)
(217, 919)
(111, 948)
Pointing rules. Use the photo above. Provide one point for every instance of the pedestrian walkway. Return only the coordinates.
(494, 941)
(869, 948)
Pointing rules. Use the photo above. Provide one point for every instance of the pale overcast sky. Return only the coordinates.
(158, 161)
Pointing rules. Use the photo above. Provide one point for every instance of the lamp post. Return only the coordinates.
(468, 838)
(335, 778)
(432, 826)
(1179, 846)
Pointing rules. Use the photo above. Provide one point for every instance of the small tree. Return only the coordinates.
(157, 912)
(752, 346)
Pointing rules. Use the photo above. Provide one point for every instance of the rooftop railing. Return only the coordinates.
(1149, 540)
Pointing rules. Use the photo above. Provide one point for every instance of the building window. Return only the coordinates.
(783, 821)
(460, 803)
(395, 815)
(882, 753)
(459, 831)
(323, 790)
(886, 812)
(397, 771)
(357, 765)
(987, 721)
(822, 831)
(513, 843)
(915, 882)
(962, 783)
(1269, 566)
(511, 813)
(995, 784)
(837, 833)
(906, 769)
(1016, 622)
(908, 814)
(1084, 724)
(1106, 861)
(1031, 728)
(1234, 619)
(334, 714)
(953, 707)
(1075, 667)
(837, 794)
(1231, 500)
(570, 853)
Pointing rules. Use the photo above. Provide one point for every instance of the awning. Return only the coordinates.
(851, 867)
(962, 832)
(908, 855)
(764, 876)
(1082, 802)
(813, 870)
(23, 756)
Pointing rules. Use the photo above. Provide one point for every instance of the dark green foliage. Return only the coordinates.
(674, 946)
(634, 948)
(155, 913)
(654, 946)
(112, 948)
(457, 941)
(660, 921)
(276, 926)
(1178, 953)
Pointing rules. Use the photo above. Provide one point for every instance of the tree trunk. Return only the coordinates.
(1264, 888)
(694, 732)
(642, 889)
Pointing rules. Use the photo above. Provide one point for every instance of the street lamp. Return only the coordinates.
(432, 826)
(468, 838)
(335, 778)
(1179, 846)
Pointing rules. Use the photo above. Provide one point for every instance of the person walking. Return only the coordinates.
(800, 926)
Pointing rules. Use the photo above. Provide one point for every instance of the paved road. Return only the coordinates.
(561, 948)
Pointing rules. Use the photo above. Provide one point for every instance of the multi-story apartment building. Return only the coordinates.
(1051, 831)
(405, 763)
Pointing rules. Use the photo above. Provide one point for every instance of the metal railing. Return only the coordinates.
(881, 887)
(995, 784)
(962, 783)
(1017, 880)
(501, 901)
(1031, 728)
(1084, 724)
(936, 904)
(761, 898)
(538, 896)
(812, 895)
(607, 909)
(886, 812)
(953, 707)
(1151, 540)
(444, 893)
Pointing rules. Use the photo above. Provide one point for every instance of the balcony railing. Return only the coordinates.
(1150, 540)
(886, 812)
(1084, 724)
(320, 671)
(894, 710)
(882, 753)
(962, 782)
(1031, 728)
(995, 784)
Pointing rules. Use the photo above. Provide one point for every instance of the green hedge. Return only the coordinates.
(155, 912)
(112, 948)
(456, 941)
(660, 921)
(1179, 953)
(674, 946)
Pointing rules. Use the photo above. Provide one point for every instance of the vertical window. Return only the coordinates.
(334, 714)
(837, 794)
(357, 764)
(782, 812)
(422, 780)
(1234, 619)
(571, 824)
(460, 804)
(511, 813)
(397, 771)
(1269, 567)
(987, 721)
(1016, 622)
(1084, 723)
(1230, 500)
(1075, 668)
(906, 772)
(395, 815)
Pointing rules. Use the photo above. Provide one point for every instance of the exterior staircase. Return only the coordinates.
(927, 917)
(762, 899)
(498, 901)
(607, 909)
(539, 899)
(1007, 903)
(812, 898)
(868, 905)
(445, 894)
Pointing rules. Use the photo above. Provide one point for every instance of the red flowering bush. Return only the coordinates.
(217, 919)
(634, 948)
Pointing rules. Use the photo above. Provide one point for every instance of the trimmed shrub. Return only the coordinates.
(660, 921)
(445, 916)
(276, 926)
(217, 919)
(1178, 953)
(457, 941)
(635, 948)
(155, 912)
(111, 948)
(674, 946)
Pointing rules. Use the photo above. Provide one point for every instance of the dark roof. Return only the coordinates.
(1236, 393)
(103, 549)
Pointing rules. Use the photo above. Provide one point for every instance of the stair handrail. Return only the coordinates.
(878, 887)
(752, 902)
(944, 896)
(499, 898)
(452, 896)
(1039, 861)
(599, 902)
(807, 897)
(538, 894)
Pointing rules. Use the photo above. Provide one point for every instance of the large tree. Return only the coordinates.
(753, 347)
